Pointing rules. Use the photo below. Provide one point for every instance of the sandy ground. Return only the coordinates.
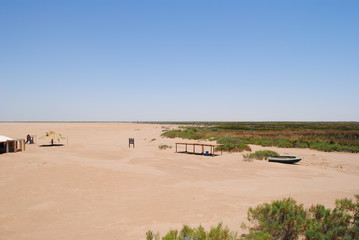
(96, 187)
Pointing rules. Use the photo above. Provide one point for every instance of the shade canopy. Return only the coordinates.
(4, 138)
(52, 135)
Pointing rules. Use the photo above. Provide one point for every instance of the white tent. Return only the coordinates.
(4, 138)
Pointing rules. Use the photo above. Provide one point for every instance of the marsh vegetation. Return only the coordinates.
(235, 136)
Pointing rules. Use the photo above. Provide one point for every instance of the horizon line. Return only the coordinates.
(184, 121)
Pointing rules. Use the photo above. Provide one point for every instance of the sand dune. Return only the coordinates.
(96, 187)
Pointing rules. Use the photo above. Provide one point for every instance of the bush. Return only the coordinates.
(172, 133)
(163, 147)
(171, 235)
(321, 224)
(229, 147)
(283, 220)
(284, 143)
(151, 236)
(287, 220)
(264, 142)
(342, 221)
(260, 155)
(331, 147)
(323, 146)
(187, 233)
(279, 220)
(232, 144)
(300, 144)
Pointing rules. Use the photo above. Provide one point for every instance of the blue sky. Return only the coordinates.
(179, 60)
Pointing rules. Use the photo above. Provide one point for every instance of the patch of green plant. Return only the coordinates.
(152, 236)
(229, 147)
(284, 143)
(231, 144)
(270, 126)
(330, 147)
(261, 142)
(260, 155)
(300, 144)
(185, 133)
(172, 133)
(199, 233)
(163, 147)
(283, 220)
(153, 139)
(287, 220)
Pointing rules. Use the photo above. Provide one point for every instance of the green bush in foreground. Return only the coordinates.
(187, 233)
(260, 155)
(342, 221)
(287, 220)
(283, 220)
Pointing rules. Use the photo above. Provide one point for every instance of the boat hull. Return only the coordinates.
(284, 159)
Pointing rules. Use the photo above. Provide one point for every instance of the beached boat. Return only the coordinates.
(284, 159)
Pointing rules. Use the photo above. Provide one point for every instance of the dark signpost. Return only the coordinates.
(131, 141)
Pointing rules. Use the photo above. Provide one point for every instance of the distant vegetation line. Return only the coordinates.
(199, 123)
(235, 136)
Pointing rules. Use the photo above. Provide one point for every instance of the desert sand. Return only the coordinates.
(96, 187)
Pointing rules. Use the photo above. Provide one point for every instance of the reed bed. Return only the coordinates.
(328, 137)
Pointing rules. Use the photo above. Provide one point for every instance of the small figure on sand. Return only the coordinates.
(29, 139)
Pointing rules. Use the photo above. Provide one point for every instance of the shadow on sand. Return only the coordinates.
(53, 145)
(191, 153)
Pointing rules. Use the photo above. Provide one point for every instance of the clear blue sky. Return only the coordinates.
(179, 60)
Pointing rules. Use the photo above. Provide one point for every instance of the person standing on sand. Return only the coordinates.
(28, 138)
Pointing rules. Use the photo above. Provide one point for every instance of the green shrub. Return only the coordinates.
(350, 212)
(325, 224)
(283, 143)
(187, 233)
(331, 147)
(263, 142)
(260, 155)
(163, 147)
(151, 236)
(172, 133)
(300, 144)
(323, 146)
(220, 233)
(171, 235)
(199, 233)
(340, 222)
(185, 133)
(229, 147)
(342, 148)
(232, 144)
(287, 220)
(282, 219)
